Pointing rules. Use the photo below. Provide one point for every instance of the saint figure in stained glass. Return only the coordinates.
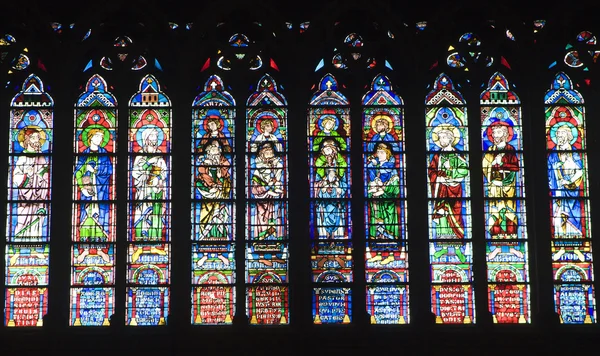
(328, 126)
(93, 176)
(383, 183)
(565, 171)
(267, 184)
(382, 130)
(330, 183)
(213, 181)
(31, 179)
(28, 204)
(213, 206)
(149, 175)
(267, 130)
(447, 170)
(214, 129)
(500, 168)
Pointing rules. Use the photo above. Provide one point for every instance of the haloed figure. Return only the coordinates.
(93, 175)
(384, 184)
(447, 171)
(331, 184)
(267, 185)
(31, 179)
(149, 176)
(565, 170)
(500, 168)
(213, 183)
(267, 134)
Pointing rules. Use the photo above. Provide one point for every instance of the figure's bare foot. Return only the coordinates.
(516, 252)
(82, 256)
(224, 259)
(202, 260)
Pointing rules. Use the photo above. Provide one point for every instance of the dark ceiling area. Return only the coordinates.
(219, 11)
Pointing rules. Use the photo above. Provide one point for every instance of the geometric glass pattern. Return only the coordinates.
(93, 234)
(504, 203)
(266, 205)
(213, 205)
(30, 148)
(450, 236)
(386, 262)
(148, 206)
(570, 224)
(329, 193)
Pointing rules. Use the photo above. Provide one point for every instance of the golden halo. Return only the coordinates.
(445, 127)
(383, 117)
(21, 135)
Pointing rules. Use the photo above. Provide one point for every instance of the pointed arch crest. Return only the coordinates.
(96, 94)
(266, 94)
(498, 91)
(32, 93)
(214, 94)
(444, 93)
(562, 92)
(381, 93)
(149, 94)
(328, 93)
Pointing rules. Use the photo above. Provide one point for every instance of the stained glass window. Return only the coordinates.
(386, 262)
(450, 244)
(504, 203)
(330, 223)
(267, 230)
(149, 205)
(28, 205)
(5, 41)
(213, 205)
(569, 203)
(578, 59)
(94, 206)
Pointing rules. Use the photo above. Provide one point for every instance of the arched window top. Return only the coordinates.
(21, 62)
(239, 40)
(214, 94)
(7, 40)
(498, 91)
(266, 94)
(32, 93)
(587, 37)
(354, 40)
(470, 39)
(562, 92)
(96, 94)
(577, 56)
(328, 93)
(122, 41)
(381, 93)
(149, 94)
(121, 56)
(444, 93)
(328, 82)
(466, 52)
